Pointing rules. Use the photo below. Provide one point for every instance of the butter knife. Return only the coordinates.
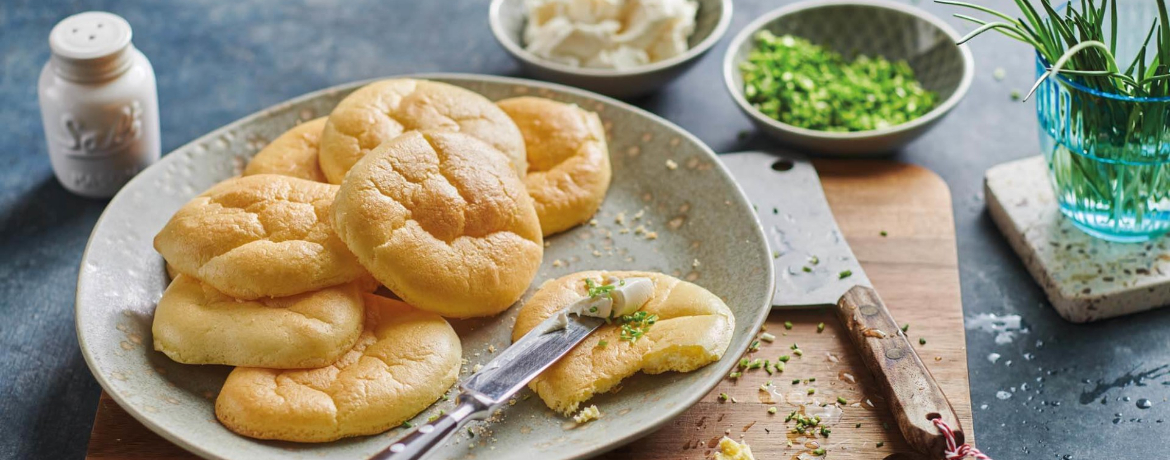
(493, 385)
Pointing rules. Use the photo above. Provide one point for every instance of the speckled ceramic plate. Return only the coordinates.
(706, 233)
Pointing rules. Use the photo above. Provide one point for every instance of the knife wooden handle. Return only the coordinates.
(911, 392)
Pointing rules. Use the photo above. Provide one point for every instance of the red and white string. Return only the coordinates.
(955, 451)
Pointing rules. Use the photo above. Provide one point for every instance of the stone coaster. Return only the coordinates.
(1086, 279)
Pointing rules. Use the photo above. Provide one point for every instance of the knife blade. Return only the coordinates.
(808, 249)
(497, 381)
(815, 267)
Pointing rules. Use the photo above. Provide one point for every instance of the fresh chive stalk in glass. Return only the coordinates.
(1107, 136)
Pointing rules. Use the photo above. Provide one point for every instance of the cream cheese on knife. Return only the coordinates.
(626, 296)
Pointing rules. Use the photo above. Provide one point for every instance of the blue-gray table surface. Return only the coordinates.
(1072, 388)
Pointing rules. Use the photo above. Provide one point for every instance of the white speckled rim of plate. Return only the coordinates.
(730, 64)
(697, 210)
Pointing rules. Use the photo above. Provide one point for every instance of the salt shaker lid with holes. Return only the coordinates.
(99, 104)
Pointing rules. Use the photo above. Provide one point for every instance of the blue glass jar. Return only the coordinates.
(1108, 158)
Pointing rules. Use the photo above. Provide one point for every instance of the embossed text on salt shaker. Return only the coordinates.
(99, 105)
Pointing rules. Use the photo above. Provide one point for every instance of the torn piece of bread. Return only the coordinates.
(693, 329)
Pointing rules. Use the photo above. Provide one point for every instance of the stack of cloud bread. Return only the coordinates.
(430, 190)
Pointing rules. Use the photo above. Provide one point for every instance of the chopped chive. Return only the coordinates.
(735, 375)
(812, 390)
(820, 328)
(795, 381)
(842, 401)
(768, 367)
(806, 269)
(884, 233)
(794, 346)
(743, 362)
(820, 451)
(905, 327)
(814, 260)
(779, 367)
(772, 410)
(921, 341)
(783, 358)
(858, 426)
(788, 325)
(407, 424)
(775, 254)
(880, 443)
(602, 343)
(797, 352)
(844, 274)
(767, 337)
(723, 397)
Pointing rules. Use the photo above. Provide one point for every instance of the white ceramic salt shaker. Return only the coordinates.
(99, 105)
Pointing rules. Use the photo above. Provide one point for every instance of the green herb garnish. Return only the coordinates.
(802, 84)
(820, 328)
(635, 325)
(844, 274)
(597, 290)
(841, 401)
(788, 325)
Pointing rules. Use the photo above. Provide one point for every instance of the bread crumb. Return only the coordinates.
(558, 263)
(593, 222)
(620, 219)
(695, 264)
(491, 348)
(639, 229)
(596, 253)
(476, 368)
(587, 414)
(641, 212)
(731, 450)
(651, 235)
(671, 165)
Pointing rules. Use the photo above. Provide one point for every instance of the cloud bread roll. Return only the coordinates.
(568, 160)
(259, 236)
(196, 324)
(693, 329)
(293, 154)
(441, 220)
(403, 362)
(384, 109)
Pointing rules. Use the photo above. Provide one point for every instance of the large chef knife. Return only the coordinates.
(489, 388)
(815, 267)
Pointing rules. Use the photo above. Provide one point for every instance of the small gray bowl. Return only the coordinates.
(872, 28)
(508, 17)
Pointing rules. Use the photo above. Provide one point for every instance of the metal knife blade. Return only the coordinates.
(809, 251)
(527, 358)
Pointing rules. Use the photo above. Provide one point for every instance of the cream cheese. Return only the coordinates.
(627, 296)
(609, 34)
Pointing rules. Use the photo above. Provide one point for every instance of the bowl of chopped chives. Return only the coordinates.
(847, 77)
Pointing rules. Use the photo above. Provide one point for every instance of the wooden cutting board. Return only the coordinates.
(914, 267)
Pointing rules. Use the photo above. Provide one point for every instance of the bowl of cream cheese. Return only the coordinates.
(620, 48)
